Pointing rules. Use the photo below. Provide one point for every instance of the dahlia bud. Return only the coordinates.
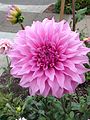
(14, 15)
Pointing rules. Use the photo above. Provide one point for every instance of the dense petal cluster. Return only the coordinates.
(5, 46)
(49, 58)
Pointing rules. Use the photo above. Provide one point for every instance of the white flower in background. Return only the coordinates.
(21, 119)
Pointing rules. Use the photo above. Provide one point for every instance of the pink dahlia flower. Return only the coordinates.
(5, 46)
(49, 58)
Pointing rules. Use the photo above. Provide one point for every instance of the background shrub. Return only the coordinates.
(80, 4)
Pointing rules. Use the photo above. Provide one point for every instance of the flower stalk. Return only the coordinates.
(22, 26)
(8, 63)
(62, 9)
(63, 105)
(73, 13)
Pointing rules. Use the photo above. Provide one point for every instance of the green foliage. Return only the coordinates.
(69, 107)
(10, 107)
(79, 4)
(80, 14)
(11, 97)
(40, 108)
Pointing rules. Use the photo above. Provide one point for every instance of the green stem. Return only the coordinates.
(77, 96)
(63, 105)
(22, 26)
(8, 63)
(70, 97)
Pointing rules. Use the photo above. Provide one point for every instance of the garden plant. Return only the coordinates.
(48, 73)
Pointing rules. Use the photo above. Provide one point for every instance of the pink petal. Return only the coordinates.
(54, 86)
(81, 69)
(64, 26)
(70, 65)
(46, 90)
(60, 78)
(26, 79)
(40, 32)
(59, 66)
(50, 73)
(38, 73)
(84, 50)
(59, 93)
(67, 84)
(24, 70)
(41, 83)
(73, 75)
(33, 87)
(49, 30)
(79, 59)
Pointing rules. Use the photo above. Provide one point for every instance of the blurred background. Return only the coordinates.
(28, 2)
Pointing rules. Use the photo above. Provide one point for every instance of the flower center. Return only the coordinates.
(47, 56)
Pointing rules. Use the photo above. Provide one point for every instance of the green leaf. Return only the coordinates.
(1, 86)
(42, 118)
(71, 114)
(88, 100)
(88, 90)
(75, 106)
(80, 14)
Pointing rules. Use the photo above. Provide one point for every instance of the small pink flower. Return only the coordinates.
(49, 58)
(5, 46)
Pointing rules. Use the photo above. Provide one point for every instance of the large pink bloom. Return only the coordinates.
(49, 57)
